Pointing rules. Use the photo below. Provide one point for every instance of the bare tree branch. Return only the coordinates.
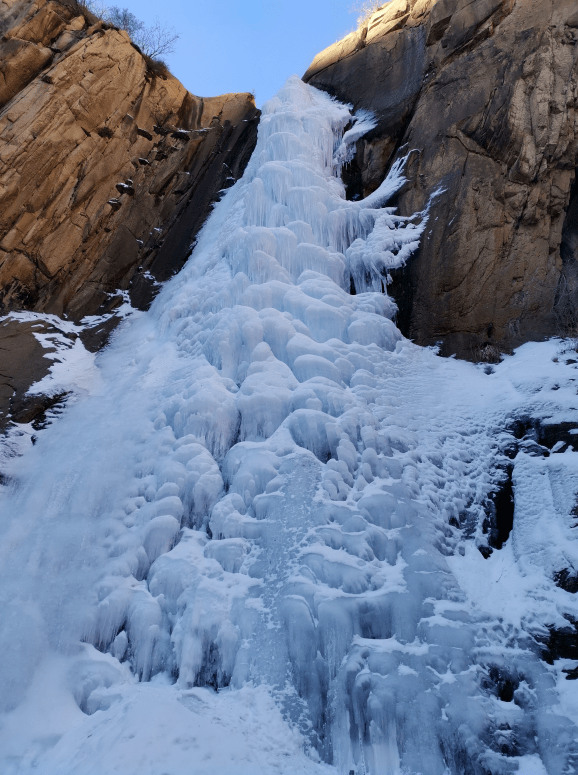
(154, 40)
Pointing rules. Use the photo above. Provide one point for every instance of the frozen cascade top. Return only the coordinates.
(240, 508)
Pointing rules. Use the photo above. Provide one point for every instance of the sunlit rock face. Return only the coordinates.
(108, 169)
(268, 530)
(485, 92)
(108, 166)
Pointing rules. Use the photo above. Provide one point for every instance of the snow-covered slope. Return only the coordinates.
(254, 548)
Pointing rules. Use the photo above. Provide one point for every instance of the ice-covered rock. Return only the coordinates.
(275, 496)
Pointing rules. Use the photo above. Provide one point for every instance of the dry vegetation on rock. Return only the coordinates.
(365, 9)
(154, 40)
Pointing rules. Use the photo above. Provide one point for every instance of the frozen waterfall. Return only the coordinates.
(243, 553)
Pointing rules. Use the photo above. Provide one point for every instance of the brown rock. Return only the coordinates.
(22, 363)
(90, 191)
(487, 93)
(25, 361)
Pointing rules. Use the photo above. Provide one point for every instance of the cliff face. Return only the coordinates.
(108, 166)
(485, 92)
(108, 169)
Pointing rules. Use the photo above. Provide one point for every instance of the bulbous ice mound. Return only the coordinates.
(257, 501)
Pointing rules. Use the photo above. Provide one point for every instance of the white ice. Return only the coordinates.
(240, 553)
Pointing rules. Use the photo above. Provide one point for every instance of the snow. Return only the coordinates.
(74, 369)
(251, 545)
(73, 372)
(152, 728)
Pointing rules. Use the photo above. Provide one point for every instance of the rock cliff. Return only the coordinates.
(101, 153)
(484, 93)
(108, 165)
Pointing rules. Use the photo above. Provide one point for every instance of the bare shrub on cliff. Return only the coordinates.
(157, 39)
(93, 7)
(157, 68)
(124, 20)
(153, 40)
(85, 9)
(365, 9)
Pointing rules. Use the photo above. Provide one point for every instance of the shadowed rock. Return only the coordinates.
(486, 92)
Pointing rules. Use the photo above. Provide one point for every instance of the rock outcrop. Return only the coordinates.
(108, 165)
(23, 361)
(108, 169)
(485, 94)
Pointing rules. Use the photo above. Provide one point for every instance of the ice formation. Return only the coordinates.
(274, 495)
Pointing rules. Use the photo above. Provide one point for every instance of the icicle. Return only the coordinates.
(256, 500)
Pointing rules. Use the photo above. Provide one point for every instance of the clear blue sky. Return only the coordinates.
(245, 45)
